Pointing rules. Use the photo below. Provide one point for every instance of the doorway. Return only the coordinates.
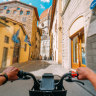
(4, 60)
(16, 53)
(78, 51)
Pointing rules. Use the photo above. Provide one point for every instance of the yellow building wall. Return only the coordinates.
(24, 55)
(33, 37)
(9, 31)
(4, 31)
(38, 45)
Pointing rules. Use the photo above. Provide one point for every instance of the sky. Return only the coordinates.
(40, 4)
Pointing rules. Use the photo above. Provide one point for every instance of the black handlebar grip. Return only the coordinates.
(77, 74)
(20, 74)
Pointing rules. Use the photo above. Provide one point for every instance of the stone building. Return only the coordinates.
(76, 17)
(56, 32)
(25, 14)
(10, 51)
(45, 39)
(91, 42)
(78, 33)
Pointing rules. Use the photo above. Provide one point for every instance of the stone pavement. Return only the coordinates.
(38, 68)
(54, 68)
(30, 65)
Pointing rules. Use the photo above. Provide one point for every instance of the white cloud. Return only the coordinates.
(42, 6)
(45, 1)
(30, 3)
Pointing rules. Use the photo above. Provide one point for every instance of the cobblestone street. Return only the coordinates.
(22, 87)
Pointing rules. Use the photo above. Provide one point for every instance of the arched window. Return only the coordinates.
(8, 11)
(18, 8)
(21, 12)
(28, 12)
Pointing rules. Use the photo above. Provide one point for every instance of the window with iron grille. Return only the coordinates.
(6, 39)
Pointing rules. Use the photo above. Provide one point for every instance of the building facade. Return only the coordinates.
(76, 20)
(56, 32)
(25, 14)
(45, 38)
(10, 51)
(78, 33)
(38, 43)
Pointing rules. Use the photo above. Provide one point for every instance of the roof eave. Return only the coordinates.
(23, 4)
(52, 14)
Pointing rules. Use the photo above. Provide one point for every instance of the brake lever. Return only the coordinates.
(26, 78)
(69, 79)
(78, 82)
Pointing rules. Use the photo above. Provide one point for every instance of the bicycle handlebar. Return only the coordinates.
(53, 88)
(21, 74)
(71, 75)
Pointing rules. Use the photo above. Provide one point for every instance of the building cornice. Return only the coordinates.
(65, 7)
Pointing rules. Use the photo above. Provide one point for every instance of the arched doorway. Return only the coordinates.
(77, 43)
(16, 52)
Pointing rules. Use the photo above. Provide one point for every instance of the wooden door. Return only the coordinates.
(4, 60)
(78, 51)
(16, 53)
(75, 52)
(82, 51)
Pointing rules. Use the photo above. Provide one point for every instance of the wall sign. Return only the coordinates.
(93, 4)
